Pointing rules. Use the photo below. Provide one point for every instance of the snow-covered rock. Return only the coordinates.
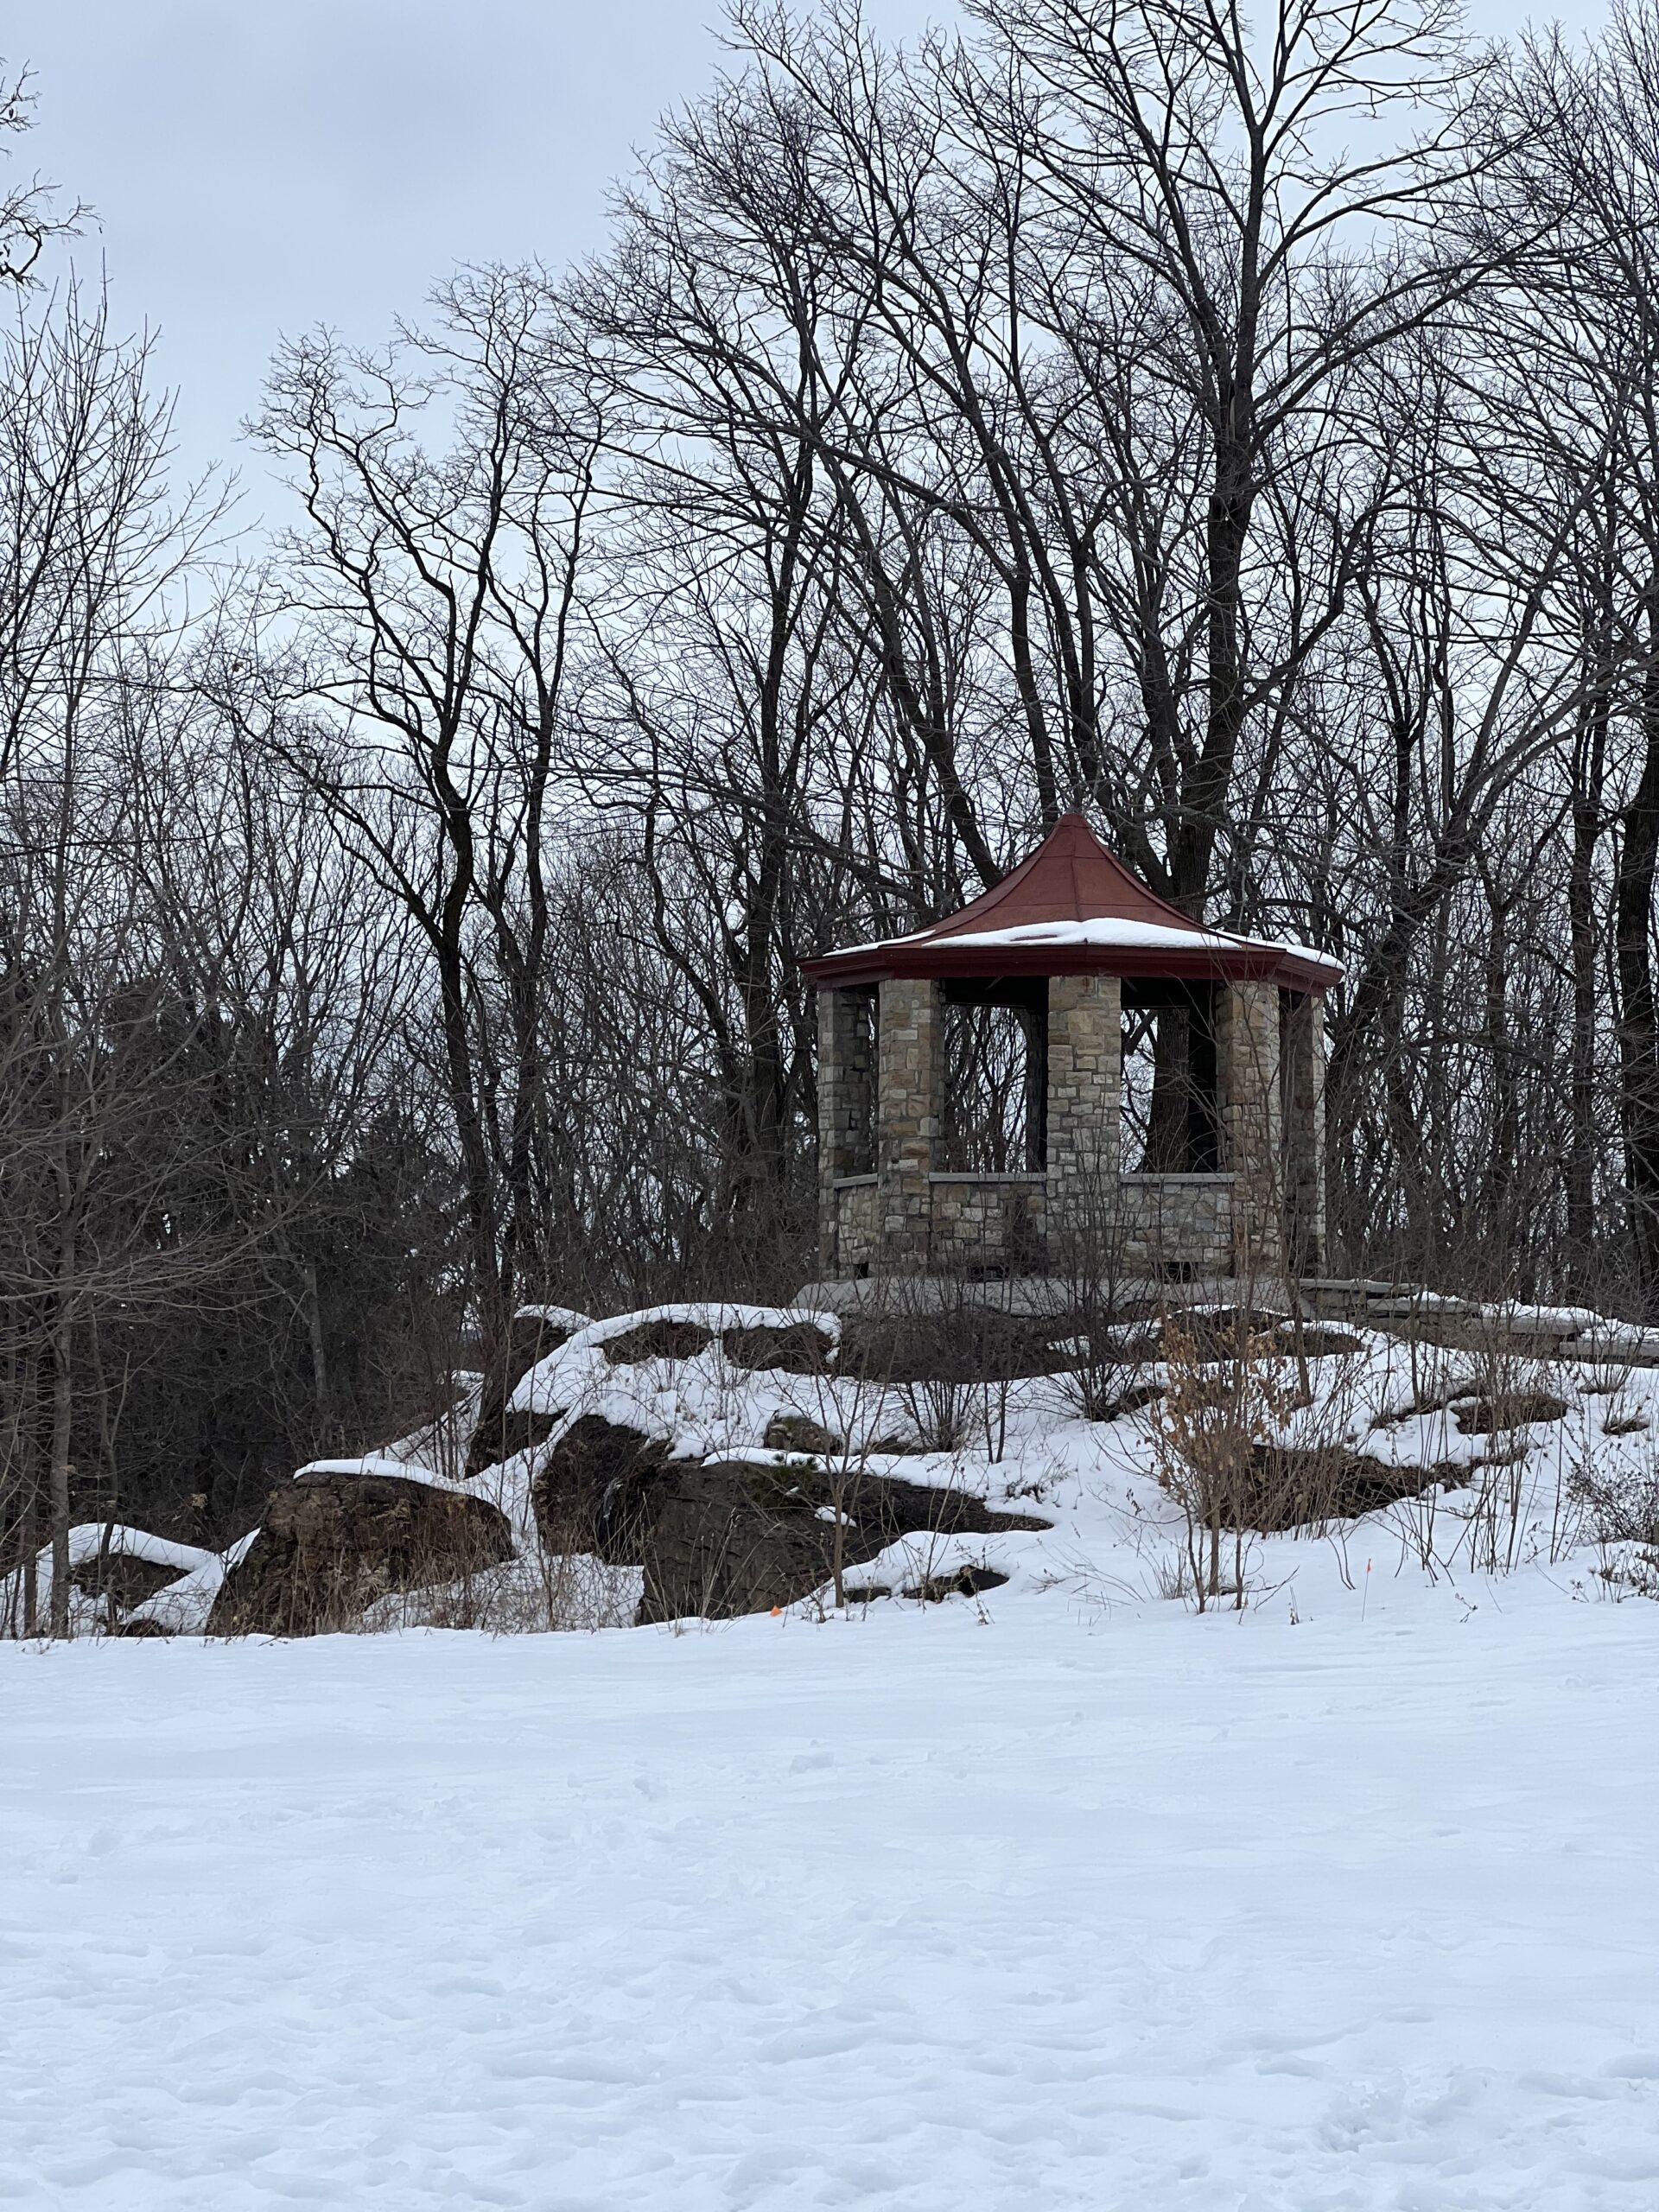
(114, 1568)
(338, 1538)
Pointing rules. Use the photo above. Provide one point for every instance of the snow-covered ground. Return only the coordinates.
(1061, 1895)
(1035, 1903)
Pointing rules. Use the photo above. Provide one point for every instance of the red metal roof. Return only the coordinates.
(1073, 909)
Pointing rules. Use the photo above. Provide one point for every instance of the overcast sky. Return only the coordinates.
(257, 170)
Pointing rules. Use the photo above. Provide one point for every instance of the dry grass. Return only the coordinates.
(1214, 1416)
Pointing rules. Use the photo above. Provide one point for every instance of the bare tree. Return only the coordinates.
(432, 598)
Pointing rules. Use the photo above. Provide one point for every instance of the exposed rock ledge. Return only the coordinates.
(332, 1544)
(733, 1537)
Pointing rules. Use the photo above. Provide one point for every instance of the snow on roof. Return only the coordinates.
(1074, 905)
(1111, 932)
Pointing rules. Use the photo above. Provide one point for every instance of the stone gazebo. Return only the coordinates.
(1085, 965)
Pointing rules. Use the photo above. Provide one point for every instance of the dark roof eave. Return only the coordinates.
(939, 962)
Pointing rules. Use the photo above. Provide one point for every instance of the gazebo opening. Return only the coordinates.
(995, 1094)
(1171, 1104)
(1070, 1066)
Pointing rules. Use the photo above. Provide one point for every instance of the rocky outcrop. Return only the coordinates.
(1286, 1487)
(783, 1348)
(966, 1582)
(589, 1493)
(733, 1536)
(659, 1339)
(1507, 1409)
(967, 1344)
(800, 1432)
(805, 1347)
(332, 1544)
(519, 1429)
(124, 1578)
(499, 1433)
(982, 1344)
(736, 1538)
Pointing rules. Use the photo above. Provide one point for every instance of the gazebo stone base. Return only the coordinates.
(1163, 1227)
(1167, 1224)
(1017, 1295)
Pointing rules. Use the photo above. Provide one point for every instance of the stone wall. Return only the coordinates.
(1163, 1225)
(1303, 1046)
(1247, 1054)
(846, 1099)
(1176, 1225)
(990, 1224)
(1085, 1085)
(909, 1037)
(854, 1247)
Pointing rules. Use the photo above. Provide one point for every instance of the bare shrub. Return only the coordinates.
(947, 1355)
(1510, 1396)
(1099, 1378)
(1206, 1430)
(1620, 1506)
(943, 1410)
(570, 1593)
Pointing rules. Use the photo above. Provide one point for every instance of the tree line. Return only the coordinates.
(1244, 430)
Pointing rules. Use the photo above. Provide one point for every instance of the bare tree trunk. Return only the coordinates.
(1638, 1015)
(1589, 758)
(63, 1419)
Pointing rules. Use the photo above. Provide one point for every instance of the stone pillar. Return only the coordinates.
(1085, 1085)
(909, 1043)
(1303, 1047)
(846, 1130)
(1246, 1055)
